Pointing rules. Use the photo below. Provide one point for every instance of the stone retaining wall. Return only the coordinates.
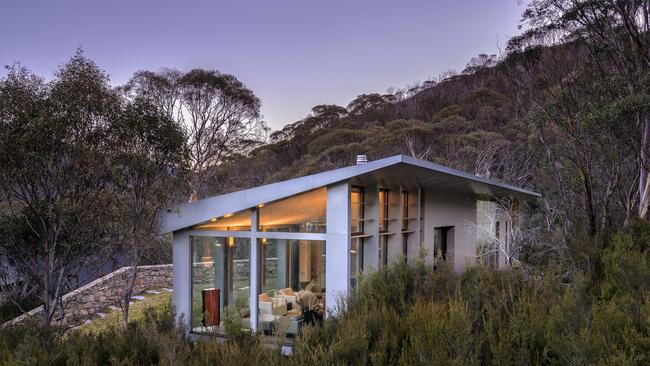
(84, 302)
(203, 272)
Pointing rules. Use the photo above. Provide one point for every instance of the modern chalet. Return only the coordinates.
(280, 255)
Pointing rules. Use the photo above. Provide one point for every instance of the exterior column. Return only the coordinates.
(337, 247)
(254, 270)
(182, 281)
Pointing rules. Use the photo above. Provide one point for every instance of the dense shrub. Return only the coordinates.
(410, 315)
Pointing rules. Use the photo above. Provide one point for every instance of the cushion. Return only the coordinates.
(265, 298)
(287, 291)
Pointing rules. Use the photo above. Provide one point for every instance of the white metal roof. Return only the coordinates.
(398, 170)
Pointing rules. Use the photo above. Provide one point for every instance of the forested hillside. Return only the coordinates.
(87, 169)
(477, 116)
(480, 121)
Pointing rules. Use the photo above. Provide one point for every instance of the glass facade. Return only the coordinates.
(357, 204)
(220, 281)
(357, 227)
(239, 221)
(383, 210)
(486, 232)
(304, 213)
(405, 210)
(292, 284)
(383, 251)
(356, 260)
(441, 242)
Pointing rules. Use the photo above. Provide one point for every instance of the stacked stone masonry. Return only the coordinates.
(86, 301)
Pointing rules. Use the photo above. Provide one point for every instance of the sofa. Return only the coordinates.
(275, 306)
(288, 295)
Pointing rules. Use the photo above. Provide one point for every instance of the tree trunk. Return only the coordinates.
(129, 292)
(644, 182)
(589, 203)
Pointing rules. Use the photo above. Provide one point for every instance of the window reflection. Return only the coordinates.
(220, 281)
(304, 213)
(240, 221)
(292, 288)
(356, 260)
(357, 205)
(383, 210)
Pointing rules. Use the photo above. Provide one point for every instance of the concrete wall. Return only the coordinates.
(445, 209)
(337, 246)
(86, 301)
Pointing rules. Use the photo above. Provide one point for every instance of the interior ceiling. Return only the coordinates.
(242, 218)
(304, 207)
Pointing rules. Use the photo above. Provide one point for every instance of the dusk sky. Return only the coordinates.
(293, 54)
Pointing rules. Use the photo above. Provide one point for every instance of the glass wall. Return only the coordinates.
(356, 260)
(383, 251)
(239, 221)
(441, 242)
(405, 210)
(486, 232)
(357, 227)
(220, 281)
(383, 210)
(304, 213)
(292, 284)
(357, 204)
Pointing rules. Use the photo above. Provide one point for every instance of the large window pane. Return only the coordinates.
(383, 210)
(486, 231)
(356, 260)
(239, 221)
(220, 281)
(405, 210)
(304, 213)
(383, 251)
(356, 208)
(292, 288)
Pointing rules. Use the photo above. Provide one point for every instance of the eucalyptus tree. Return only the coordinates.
(583, 121)
(149, 168)
(220, 115)
(617, 33)
(55, 181)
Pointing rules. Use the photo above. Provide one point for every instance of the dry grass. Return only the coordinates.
(136, 312)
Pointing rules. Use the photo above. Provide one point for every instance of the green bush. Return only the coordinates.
(410, 315)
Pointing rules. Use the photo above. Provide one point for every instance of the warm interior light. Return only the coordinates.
(231, 241)
(228, 215)
(213, 219)
(263, 240)
(260, 205)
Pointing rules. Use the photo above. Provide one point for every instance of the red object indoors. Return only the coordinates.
(210, 306)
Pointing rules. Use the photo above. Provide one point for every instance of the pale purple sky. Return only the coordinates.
(293, 54)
